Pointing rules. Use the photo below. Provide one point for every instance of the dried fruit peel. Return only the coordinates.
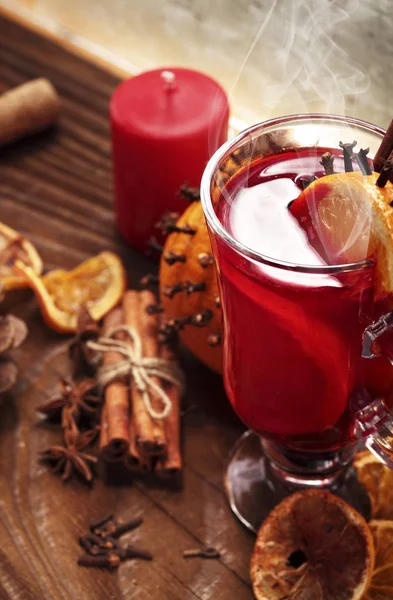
(10, 280)
(98, 283)
(304, 544)
(183, 305)
(381, 585)
(378, 482)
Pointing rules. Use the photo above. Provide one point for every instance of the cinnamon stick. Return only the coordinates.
(149, 432)
(170, 465)
(27, 109)
(103, 429)
(385, 149)
(117, 404)
(136, 461)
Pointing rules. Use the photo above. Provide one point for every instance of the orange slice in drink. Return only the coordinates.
(381, 585)
(348, 218)
(312, 546)
(97, 284)
(13, 246)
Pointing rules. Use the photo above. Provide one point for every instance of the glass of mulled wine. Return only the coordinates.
(303, 366)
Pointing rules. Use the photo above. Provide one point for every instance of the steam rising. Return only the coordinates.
(301, 65)
(298, 66)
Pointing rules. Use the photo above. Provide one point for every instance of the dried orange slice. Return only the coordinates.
(348, 218)
(14, 246)
(378, 482)
(381, 585)
(312, 546)
(97, 284)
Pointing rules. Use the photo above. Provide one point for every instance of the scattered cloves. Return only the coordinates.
(217, 301)
(101, 547)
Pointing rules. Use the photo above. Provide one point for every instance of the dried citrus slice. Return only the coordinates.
(97, 284)
(312, 546)
(378, 482)
(348, 218)
(14, 246)
(381, 585)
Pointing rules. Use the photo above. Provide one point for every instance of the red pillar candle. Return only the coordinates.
(165, 126)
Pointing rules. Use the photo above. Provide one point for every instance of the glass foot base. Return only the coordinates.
(254, 487)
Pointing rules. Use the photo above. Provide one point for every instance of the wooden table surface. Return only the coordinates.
(56, 188)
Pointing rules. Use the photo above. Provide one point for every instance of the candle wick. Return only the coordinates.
(169, 79)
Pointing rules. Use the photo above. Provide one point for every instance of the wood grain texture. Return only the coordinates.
(56, 188)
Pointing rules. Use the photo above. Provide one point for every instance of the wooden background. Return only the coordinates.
(56, 188)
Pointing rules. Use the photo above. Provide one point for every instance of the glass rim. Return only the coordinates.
(219, 229)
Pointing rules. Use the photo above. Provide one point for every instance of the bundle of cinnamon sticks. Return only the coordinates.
(128, 431)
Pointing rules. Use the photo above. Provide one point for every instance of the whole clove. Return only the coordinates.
(154, 309)
(363, 163)
(201, 319)
(189, 193)
(126, 527)
(171, 258)
(149, 281)
(327, 160)
(99, 524)
(205, 259)
(194, 287)
(109, 561)
(208, 552)
(133, 552)
(171, 290)
(348, 154)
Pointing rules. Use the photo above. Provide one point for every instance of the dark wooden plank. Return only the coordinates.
(57, 189)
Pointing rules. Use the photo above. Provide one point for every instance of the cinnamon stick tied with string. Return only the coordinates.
(115, 440)
(137, 461)
(149, 432)
(170, 465)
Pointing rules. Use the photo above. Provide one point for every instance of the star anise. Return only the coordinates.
(69, 459)
(80, 398)
(84, 359)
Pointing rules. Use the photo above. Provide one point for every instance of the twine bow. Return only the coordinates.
(141, 369)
